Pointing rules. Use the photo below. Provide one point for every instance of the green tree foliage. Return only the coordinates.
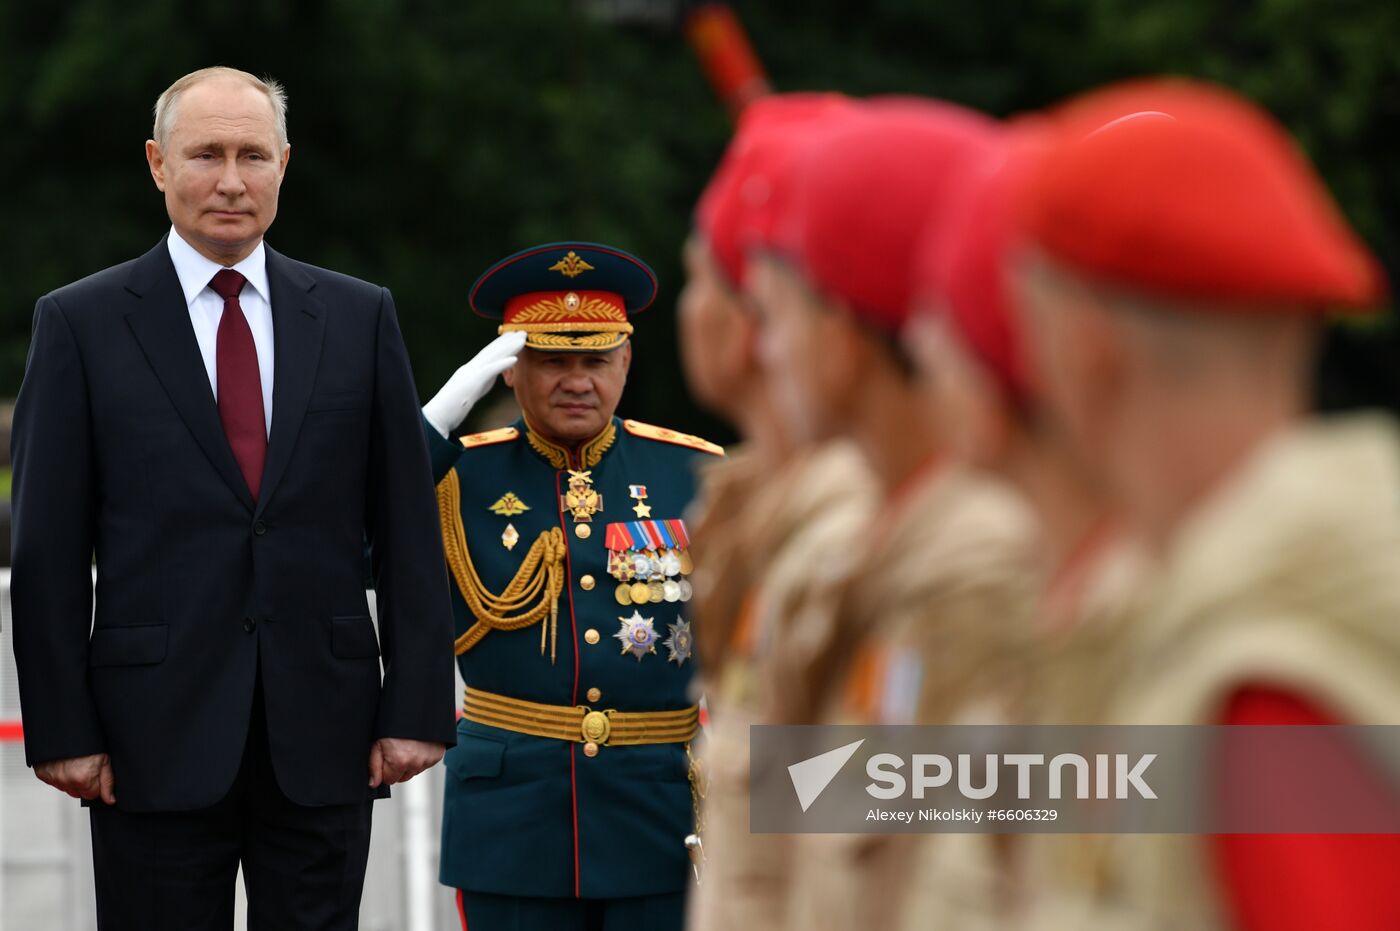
(431, 137)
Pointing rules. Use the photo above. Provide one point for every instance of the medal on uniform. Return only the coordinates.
(679, 642)
(637, 635)
(508, 505)
(582, 500)
(639, 494)
(651, 555)
(686, 589)
(623, 594)
(510, 537)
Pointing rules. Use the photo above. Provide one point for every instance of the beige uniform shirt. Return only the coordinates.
(1288, 575)
(924, 624)
(764, 541)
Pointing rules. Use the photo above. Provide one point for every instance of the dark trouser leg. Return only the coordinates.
(645, 913)
(164, 872)
(486, 912)
(167, 871)
(304, 868)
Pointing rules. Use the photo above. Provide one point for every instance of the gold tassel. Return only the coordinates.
(539, 580)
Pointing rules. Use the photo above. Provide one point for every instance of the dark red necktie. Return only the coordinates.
(240, 385)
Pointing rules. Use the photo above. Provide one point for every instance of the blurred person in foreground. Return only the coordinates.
(1180, 255)
(770, 519)
(568, 797)
(223, 428)
(968, 345)
(932, 588)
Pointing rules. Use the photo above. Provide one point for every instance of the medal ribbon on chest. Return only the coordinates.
(649, 559)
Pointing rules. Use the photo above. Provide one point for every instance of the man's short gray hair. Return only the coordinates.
(168, 103)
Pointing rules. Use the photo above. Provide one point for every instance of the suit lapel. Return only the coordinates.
(298, 324)
(161, 324)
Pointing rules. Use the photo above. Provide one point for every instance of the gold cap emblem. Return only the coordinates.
(571, 266)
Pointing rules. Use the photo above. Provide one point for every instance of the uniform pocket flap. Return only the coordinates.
(128, 646)
(353, 637)
(475, 756)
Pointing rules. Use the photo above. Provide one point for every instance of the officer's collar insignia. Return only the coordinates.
(589, 454)
(637, 635)
(509, 505)
(582, 500)
(679, 642)
(571, 266)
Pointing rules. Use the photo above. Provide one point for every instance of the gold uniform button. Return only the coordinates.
(590, 635)
(594, 694)
(583, 531)
(586, 583)
(590, 749)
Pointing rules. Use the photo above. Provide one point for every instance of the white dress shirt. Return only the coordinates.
(207, 309)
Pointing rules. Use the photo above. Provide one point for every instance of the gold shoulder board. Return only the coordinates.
(650, 432)
(490, 437)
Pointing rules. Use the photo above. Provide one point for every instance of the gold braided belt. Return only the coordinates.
(531, 596)
(579, 723)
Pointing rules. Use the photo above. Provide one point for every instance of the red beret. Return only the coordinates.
(735, 207)
(862, 195)
(960, 270)
(1188, 190)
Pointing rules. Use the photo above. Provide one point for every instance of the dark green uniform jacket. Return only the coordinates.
(539, 816)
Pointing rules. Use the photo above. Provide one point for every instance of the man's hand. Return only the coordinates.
(469, 384)
(392, 760)
(86, 777)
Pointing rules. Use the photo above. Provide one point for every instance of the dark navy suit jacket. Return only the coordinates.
(119, 453)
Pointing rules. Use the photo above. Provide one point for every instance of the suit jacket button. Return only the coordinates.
(590, 635)
(249, 625)
(259, 528)
(582, 531)
(590, 749)
(586, 583)
(594, 694)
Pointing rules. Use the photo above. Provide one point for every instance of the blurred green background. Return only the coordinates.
(431, 138)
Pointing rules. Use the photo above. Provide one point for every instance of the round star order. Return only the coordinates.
(637, 635)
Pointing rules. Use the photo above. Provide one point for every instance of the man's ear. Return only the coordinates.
(508, 376)
(155, 158)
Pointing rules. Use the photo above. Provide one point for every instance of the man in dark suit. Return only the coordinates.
(223, 428)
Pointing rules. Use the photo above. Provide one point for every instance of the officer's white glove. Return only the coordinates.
(469, 384)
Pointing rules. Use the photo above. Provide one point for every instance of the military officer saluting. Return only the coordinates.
(568, 796)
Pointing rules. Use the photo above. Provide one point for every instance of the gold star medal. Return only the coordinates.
(639, 494)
